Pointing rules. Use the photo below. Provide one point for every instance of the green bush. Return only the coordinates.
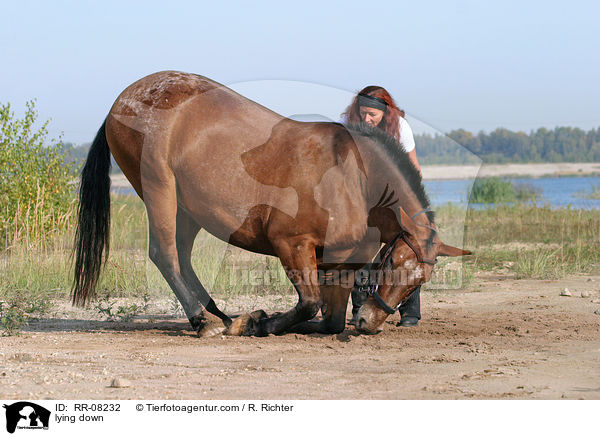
(36, 183)
(492, 190)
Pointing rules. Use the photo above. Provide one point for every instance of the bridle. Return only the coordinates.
(372, 289)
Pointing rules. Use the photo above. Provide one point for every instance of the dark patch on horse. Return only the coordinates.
(386, 201)
(173, 89)
(297, 149)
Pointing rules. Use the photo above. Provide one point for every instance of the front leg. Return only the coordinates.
(335, 303)
(298, 258)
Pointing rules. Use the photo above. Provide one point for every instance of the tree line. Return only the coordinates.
(460, 147)
(561, 144)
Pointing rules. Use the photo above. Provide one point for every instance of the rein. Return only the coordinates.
(427, 209)
(372, 289)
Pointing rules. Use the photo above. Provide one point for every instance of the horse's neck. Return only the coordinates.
(398, 193)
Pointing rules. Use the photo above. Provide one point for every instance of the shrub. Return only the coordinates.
(492, 190)
(12, 318)
(36, 182)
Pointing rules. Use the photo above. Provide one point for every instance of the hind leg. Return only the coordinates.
(186, 232)
(160, 198)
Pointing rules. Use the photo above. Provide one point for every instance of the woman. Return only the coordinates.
(375, 106)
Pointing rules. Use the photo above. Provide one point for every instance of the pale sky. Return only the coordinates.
(472, 65)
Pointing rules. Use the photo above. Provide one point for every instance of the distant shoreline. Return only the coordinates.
(534, 170)
(461, 172)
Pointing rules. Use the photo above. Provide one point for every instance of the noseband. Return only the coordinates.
(372, 289)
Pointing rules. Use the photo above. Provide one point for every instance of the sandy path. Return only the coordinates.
(501, 338)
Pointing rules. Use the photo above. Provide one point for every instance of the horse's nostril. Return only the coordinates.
(361, 323)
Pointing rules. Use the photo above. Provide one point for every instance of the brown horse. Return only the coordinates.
(317, 195)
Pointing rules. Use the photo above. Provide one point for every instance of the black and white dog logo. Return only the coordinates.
(26, 415)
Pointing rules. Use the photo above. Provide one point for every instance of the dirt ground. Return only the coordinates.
(501, 338)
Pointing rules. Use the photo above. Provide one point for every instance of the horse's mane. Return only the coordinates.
(394, 151)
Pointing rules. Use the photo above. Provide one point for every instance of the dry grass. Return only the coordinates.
(35, 263)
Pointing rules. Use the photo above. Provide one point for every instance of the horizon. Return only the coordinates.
(423, 133)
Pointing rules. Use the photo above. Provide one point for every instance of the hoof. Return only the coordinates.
(253, 326)
(227, 322)
(198, 323)
(248, 324)
(238, 325)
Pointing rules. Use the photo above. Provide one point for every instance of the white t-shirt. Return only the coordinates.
(407, 140)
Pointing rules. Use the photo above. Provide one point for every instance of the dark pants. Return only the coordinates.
(411, 307)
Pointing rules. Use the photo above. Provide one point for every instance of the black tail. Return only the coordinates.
(93, 223)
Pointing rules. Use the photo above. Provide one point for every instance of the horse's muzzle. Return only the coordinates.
(367, 322)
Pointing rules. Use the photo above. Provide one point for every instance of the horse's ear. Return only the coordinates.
(448, 250)
(407, 224)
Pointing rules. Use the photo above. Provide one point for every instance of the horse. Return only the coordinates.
(319, 196)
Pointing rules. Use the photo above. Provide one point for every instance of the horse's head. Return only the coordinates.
(407, 262)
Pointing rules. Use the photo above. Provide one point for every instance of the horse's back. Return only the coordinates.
(163, 113)
(234, 161)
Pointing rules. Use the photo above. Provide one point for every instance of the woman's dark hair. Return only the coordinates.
(390, 121)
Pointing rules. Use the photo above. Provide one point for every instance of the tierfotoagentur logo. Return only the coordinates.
(26, 415)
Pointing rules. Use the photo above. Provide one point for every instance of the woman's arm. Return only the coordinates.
(408, 141)
(412, 155)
